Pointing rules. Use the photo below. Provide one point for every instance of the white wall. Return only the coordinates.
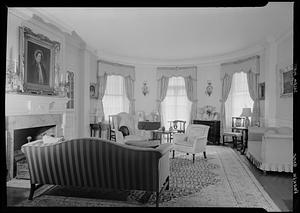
(211, 73)
(145, 73)
(284, 112)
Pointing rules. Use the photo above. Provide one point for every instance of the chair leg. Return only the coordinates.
(173, 153)
(168, 183)
(204, 153)
(157, 199)
(193, 158)
(32, 188)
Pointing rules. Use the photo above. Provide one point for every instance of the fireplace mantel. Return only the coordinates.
(19, 104)
(27, 111)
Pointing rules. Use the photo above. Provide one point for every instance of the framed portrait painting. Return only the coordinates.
(93, 90)
(286, 81)
(39, 62)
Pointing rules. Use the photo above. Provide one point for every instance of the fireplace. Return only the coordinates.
(19, 128)
(22, 136)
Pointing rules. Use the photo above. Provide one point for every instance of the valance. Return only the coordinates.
(115, 69)
(245, 65)
(177, 71)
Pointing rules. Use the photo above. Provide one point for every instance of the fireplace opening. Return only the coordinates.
(22, 136)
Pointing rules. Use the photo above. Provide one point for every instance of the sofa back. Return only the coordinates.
(93, 162)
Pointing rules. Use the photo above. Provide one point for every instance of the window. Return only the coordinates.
(115, 99)
(176, 105)
(238, 98)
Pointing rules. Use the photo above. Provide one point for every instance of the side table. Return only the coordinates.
(244, 131)
(94, 128)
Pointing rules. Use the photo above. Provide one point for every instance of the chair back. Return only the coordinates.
(178, 126)
(197, 130)
(238, 122)
(124, 119)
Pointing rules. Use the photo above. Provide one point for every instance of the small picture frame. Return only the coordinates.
(93, 90)
(286, 81)
(261, 91)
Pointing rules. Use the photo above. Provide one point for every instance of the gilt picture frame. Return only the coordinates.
(38, 62)
(286, 81)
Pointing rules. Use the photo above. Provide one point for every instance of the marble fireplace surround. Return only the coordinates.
(17, 122)
(30, 111)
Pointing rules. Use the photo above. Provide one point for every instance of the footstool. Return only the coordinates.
(234, 136)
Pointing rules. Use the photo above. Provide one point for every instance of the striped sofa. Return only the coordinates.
(95, 162)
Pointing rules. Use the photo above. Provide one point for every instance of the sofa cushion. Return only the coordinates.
(51, 140)
(134, 138)
(149, 144)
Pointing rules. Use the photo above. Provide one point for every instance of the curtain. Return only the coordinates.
(129, 88)
(246, 65)
(176, 105)
(252, 79)
(191, 92)
(108, 69)
(226, 85)
(238, 98)
(190, 73)
(161, 92)
(102, 80)
(115, 99)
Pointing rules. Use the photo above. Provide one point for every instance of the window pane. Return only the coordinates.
(115, 99)
(176, 105)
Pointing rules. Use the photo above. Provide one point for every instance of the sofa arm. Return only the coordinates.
(164, 148)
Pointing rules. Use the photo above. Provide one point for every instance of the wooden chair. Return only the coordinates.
(178, 126)
(235, 133)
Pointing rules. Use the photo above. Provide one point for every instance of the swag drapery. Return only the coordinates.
(190, 78)
(250, 66)
(106, 68)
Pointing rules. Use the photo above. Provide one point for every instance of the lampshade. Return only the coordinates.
(99, 115)
(246, 112)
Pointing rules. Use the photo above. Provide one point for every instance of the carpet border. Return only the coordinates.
(256, 182)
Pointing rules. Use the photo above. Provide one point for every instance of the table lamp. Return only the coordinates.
(246, 113)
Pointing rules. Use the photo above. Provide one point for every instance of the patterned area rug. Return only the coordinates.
(221, 180)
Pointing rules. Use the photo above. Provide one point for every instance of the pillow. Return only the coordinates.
(124, 130)
(51, 140)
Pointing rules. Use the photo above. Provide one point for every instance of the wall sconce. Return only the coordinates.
(145, 89)
(209, 88)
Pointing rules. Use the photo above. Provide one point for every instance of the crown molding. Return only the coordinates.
(284, 35)
(212, 60)
(22, 13)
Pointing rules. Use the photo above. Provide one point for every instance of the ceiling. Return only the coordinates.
(174, 33)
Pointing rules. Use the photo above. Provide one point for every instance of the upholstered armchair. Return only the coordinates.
(129, 121)
(193, 141)
(271, 149)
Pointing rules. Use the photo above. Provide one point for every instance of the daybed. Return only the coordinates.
(271, 149)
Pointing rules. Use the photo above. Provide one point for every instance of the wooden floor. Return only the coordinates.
(278, 185)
